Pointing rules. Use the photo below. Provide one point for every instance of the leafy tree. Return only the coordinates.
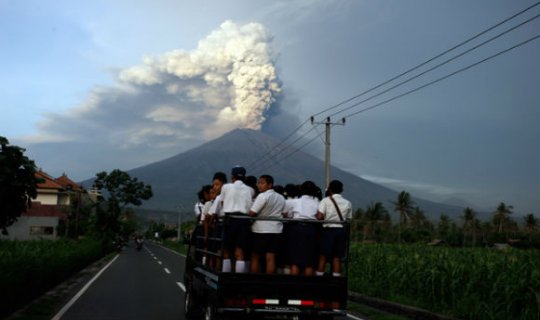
(17, 183)
(357, 222)
(155, 228)
(384, 233)
(443, 227)
(403, 205)
(373, 215)
(454, 236)
(531, 225)
(468, 218)
(501, 217)
(419, 221)
(122, 190)
(485, 229)
(128, 223)
(476, 226)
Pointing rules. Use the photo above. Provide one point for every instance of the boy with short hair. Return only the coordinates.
(266, 234)
(333, 238)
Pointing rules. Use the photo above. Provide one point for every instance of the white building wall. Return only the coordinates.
(47, 198)
(32, 228)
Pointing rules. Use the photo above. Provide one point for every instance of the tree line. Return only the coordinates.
(113, 215)
(109, 217)
(374, 223)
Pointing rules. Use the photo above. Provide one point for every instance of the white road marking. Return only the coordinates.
(183, 255)
(353, 317)
(167, 270)
(160, 262)
(81, 292)
(181, 285)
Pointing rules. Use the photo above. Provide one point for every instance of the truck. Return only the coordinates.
(214, 294)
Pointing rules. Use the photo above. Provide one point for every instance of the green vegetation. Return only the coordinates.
(469, 283)
(17, 183)
(29, 268)
(374, 224)
(179, 247)
(112, 217)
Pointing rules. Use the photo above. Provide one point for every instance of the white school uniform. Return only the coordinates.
(198, 210)
(304, 208)
(268, 204)
(328, 208)
(217, 207)
(236, 197)
(205, 209)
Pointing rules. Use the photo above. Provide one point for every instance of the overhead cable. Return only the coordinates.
(445, 77)
(438, 65)
(429, 60)
(277, 161)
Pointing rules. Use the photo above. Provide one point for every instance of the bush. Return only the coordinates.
(30, 268)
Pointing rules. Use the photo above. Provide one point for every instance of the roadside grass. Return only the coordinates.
(371, 313)
(42, 309)
(179, 247)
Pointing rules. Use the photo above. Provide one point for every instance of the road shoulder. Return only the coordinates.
(46, 306)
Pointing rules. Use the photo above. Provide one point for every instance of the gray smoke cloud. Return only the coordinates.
(173, 100)
(231, 74)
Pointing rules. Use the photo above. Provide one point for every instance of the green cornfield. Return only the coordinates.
(29, 268)
(468, 283)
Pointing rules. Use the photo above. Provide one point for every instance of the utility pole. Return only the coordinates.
(328, 124)
(179, 233)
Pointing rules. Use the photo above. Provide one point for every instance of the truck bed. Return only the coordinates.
(262, 295)
(220, 295)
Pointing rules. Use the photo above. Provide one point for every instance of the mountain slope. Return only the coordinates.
(176, 180)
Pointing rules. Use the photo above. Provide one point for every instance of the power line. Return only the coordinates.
(295, 151)
(279, 144)
(260, 165)
(277, 161)
(429, 60)
(444, 77)
(274, 157)
(438, 65)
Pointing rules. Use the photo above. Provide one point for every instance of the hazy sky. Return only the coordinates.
(97, 85)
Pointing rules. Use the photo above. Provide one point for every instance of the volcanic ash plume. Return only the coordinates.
(227, 82)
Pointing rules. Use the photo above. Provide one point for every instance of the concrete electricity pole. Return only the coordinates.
(328, 124)
(179, 233)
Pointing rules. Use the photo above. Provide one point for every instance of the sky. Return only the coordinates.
(98, 85)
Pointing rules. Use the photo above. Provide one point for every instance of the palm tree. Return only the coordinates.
(418, 219)
(485, 228)
(531, 224)
(357, 221)
(501, 215)
(476, 226)
(386, 226)
(373, 214)
(444, 226)
(403, 205)
(468, 218)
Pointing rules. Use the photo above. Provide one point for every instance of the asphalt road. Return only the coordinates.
(144, 284)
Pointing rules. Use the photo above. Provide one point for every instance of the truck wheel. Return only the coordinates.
(190, 304)
(209, 313)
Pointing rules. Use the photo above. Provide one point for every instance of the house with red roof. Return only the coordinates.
(51, 206)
